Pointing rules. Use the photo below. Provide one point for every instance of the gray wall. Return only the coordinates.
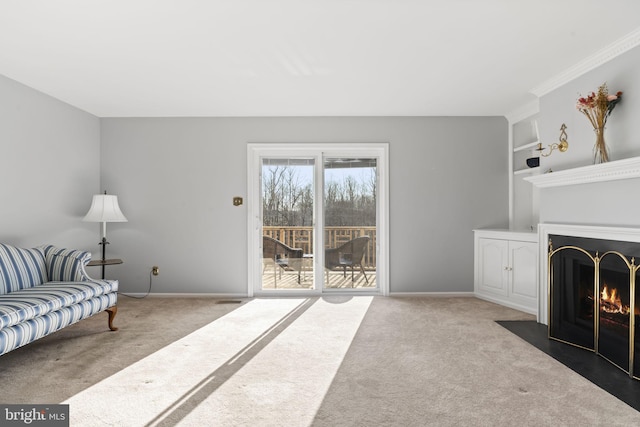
(175, 178)
(49, 169)
(609, 203)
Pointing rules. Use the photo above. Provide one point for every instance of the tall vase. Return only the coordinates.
(600, 149)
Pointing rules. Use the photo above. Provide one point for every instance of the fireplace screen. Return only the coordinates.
(593, 299)
(571, 305)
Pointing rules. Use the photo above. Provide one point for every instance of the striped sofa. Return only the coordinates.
(44, 289)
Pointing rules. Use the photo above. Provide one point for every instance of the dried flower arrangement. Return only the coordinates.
(598, 107)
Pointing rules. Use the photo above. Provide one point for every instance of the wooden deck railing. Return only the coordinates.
(302, 237)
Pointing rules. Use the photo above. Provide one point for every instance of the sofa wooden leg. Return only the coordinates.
(112, 314)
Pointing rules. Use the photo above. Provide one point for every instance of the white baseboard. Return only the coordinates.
(227, 296)
(432, 294)
(509, 304)
(183, 295)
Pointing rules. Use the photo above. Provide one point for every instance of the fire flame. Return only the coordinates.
(610, 302)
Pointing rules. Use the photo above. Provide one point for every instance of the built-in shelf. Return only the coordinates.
(611, 171)
(526, 171)
(523, 143)
(526, 146)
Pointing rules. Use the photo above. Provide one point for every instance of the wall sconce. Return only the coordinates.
(562, 146)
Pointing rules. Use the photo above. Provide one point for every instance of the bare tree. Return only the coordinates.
(288, 201)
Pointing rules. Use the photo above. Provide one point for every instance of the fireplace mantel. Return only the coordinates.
(611, 171)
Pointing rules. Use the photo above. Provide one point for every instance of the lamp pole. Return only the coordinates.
(104, 244)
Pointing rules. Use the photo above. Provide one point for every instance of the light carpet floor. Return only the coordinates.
(334, 361)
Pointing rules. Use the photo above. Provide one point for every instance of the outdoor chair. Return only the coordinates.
(349, 254)
(282, 255)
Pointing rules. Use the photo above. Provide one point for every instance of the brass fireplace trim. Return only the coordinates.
(596, 259)
(551, 253)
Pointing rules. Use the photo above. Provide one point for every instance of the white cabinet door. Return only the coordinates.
(493, 274)
(523, 268)
(506, 268)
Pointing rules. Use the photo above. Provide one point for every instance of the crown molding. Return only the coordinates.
(601, 57)
(524, 111)
(611, 171)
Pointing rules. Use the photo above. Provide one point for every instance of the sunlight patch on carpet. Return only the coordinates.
(268, 362)
(138, 393)
(285, 383)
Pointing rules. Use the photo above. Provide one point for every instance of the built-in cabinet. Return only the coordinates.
(506, 262)
(506, 268)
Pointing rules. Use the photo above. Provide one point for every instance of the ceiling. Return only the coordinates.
(164, 58)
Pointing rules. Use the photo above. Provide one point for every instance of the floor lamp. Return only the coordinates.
(104, 208)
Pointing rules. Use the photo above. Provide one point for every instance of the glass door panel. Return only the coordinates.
(350, 223)
(287, 196)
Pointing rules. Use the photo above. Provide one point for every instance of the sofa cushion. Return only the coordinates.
(31, 303)
(66, 265)
(30, 330)
(20, 268)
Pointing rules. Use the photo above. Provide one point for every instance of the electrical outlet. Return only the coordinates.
(155, 270)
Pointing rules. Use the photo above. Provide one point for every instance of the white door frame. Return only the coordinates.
(256, 151)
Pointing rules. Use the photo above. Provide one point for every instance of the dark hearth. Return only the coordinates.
(596, 369)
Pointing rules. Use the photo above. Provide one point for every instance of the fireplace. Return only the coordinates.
(593, 303)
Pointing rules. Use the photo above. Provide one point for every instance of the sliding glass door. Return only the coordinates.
(287, 210)
(350, 222)
(317, 220)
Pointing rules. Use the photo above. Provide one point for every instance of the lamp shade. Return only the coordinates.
(104, 208)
